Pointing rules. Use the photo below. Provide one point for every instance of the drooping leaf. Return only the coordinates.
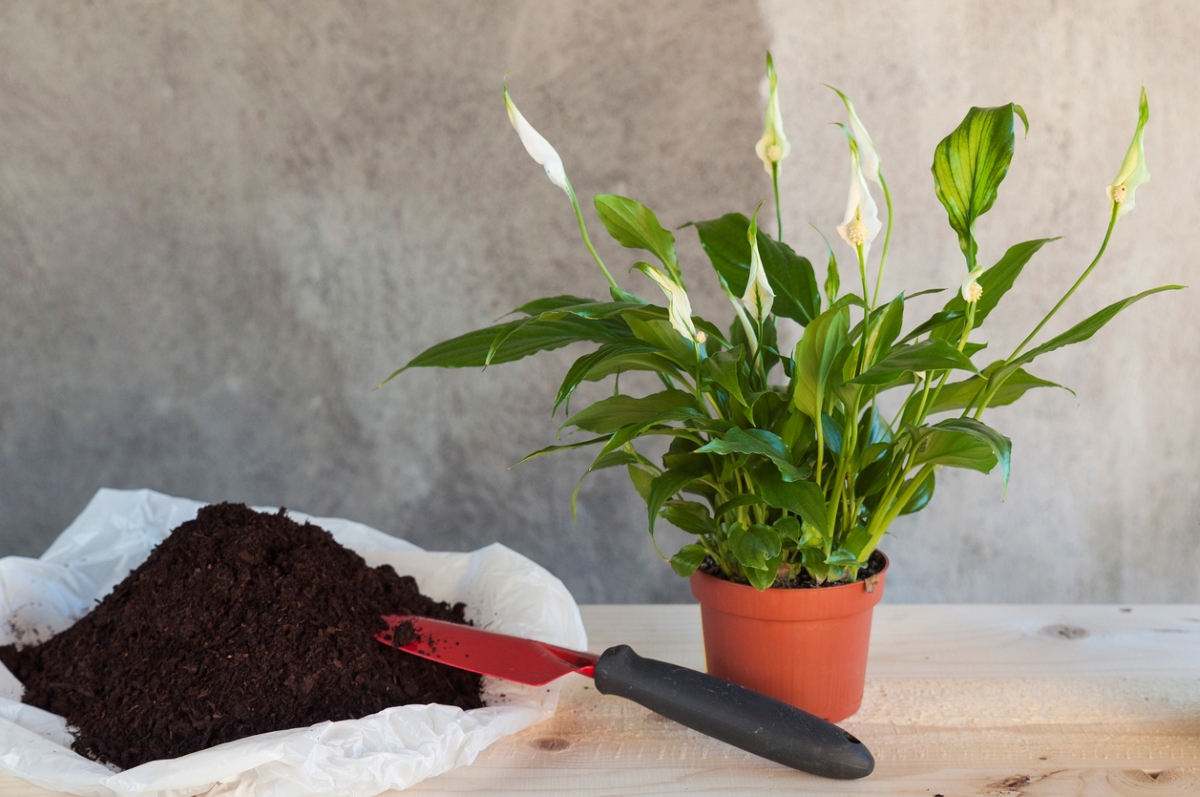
(582, 368)
(608, 415)
(755, 441)
(969, 165)
(727, 244)
(960, 395)
(620, 363)
(635, 226)
(945, 444)
(471, 350)
(539, 306)
(815, 357)
(927, 355)
(566, 447)
(802, 498)
(688, 559)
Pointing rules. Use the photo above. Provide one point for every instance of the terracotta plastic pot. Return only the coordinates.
(807, 647)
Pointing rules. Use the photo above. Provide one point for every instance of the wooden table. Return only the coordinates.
(1007, 701)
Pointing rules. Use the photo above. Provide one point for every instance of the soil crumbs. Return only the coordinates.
(239, 623)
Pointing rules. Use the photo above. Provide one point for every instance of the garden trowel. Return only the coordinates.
(738, 716)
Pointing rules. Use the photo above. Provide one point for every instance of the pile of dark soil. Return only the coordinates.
(239, 623)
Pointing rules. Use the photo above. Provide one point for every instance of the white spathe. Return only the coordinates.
(758, 296)
(773, 147)
(971, 289)
(866, 147)
(537, 146)
(679, 311)
(861, 222)
(1133, 169)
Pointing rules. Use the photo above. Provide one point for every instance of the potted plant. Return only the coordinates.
(789, 466)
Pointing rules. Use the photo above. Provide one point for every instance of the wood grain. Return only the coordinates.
(960, 700)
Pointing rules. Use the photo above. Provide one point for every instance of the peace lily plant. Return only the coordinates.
(782, 463)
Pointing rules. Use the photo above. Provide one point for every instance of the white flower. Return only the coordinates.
(679, 311)
(758, 296)
(866, 147)
(971, 290)
(773, 147)
(861, 223)
(1133, 169)
(538, 148)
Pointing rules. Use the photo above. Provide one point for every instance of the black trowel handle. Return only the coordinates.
(734, 714)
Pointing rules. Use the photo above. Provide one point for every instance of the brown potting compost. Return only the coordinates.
(239, 623)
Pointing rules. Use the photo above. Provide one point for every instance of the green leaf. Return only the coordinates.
(621, 363)
(960, 395)
(965, 443)
(567, 447)
(727, 243)
(883, 329)
(610, 414)
(688, 559)
(753, 547)
(641, 479)
(1088, 327)
(920, 499)
(969, 165)
(471, 350)
(763, 578)
(927, 355)
(995, 281)
(841, 558)
(539, 306)
(801, 535)
(725, 368)
(634, 226)
(816, 354)
(583, 367)
(691, 516)
(661, 334)
(745, 499)
(800, 498)
(755, 441)
(667, 485)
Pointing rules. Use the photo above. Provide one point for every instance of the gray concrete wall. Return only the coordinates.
(221, 224)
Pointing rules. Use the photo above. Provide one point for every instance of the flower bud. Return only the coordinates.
(538, 147)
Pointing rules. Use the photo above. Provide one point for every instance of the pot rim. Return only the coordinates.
(718, 594)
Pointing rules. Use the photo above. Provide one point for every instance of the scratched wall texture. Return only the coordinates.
(221, 224)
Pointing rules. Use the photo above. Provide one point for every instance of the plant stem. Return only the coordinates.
(862, 271)
(988, 391)
(778, 210)
(887, 239)
(1116, 206)
(586, 240)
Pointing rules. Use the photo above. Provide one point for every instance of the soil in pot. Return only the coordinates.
(239, 623)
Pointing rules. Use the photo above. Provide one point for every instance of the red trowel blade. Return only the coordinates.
(525, 661)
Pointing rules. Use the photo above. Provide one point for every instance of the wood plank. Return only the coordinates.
(979, 700)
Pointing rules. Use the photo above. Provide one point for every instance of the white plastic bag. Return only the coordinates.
(393, 749)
